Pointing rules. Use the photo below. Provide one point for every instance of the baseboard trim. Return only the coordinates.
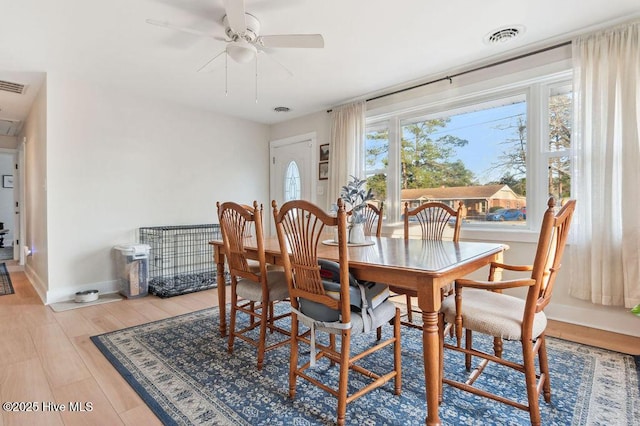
(615, 320)
(38, 284)
(68, 293)
(599, 338)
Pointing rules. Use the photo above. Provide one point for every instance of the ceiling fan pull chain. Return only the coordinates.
(256, 78)
(226, 74)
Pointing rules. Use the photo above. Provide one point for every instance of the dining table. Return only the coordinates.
(424, 266)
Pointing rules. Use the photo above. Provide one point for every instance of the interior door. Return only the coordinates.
(292, 172)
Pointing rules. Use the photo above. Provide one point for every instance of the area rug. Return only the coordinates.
(182, 370)
(5, 281)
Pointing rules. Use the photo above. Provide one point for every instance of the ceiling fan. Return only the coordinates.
(243, 37)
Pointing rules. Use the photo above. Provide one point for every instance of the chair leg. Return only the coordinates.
(332, 346)
(468, 343)
(441, 349)
(232, 316)
(252, 307)
(378, 333)
(264, 317)
(530, 377)
(397, 352)
(343, 380)
(544, 368)
(293, 357)
(497, 346)
(271, 315)
(458, 319)
(409, 310)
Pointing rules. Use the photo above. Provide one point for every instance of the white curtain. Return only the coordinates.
(606, 180)
(345, 155)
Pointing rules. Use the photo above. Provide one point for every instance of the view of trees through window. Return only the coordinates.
(476, 154)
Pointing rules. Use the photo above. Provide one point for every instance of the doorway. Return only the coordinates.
(292, 169)
(9, 217)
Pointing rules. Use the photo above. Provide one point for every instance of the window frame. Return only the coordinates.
(537, 91)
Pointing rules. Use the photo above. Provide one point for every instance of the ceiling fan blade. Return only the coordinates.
(293, 40)
(206, 67)
(165, 24)
(235, 15)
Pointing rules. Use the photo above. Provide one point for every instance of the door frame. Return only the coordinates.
(313, 169)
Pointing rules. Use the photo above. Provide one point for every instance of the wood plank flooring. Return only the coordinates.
(48, 357)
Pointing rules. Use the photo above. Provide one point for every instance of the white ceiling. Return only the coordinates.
(370, 46)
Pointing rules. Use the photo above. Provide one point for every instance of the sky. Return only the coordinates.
(483, 129)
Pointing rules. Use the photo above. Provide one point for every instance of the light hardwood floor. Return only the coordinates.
(47, 357)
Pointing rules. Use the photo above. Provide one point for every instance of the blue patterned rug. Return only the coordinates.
(181, 369)
(5, 281)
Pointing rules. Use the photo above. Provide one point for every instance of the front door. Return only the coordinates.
(292, 172)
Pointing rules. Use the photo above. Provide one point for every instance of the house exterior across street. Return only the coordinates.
(477, 200)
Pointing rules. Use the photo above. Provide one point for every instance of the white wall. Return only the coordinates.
(522, 247)
(116, 162)
(34, 212)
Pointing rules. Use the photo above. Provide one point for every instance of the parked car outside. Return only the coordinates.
(505, 214)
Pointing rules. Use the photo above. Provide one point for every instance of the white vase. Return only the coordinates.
(356, 233)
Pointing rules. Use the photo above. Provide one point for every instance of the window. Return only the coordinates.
(559, 127)
(377, 161)
(496, 152)
(292, 182)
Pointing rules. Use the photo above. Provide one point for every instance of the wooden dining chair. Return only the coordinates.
(433, 219)
(326, 307)
(254, 265)
(373, 219)
(483, 308)
(253, 290)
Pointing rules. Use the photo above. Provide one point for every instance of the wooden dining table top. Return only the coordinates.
(387, 259)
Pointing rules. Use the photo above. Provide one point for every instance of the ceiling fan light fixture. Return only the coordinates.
(241, 51)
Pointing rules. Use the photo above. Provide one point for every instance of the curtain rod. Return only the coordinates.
(452, 76)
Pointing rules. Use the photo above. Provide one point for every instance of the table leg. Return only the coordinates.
(431, 348)
(222, 302)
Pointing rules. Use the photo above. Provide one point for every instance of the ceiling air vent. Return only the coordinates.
(503, 35)
(7, 86)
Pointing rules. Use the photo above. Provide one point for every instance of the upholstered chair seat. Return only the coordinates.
(495, 314)
(276, 282)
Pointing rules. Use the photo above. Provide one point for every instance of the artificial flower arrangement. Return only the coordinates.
(355, 197)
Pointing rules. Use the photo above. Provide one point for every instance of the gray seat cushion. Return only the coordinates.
(381, 315)
(276, 281)
(495, 314)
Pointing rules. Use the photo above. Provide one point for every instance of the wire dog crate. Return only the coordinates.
(180, 258)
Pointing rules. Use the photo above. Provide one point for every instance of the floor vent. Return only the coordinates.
(7, 86)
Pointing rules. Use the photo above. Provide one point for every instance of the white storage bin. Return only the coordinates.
(132, 265)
